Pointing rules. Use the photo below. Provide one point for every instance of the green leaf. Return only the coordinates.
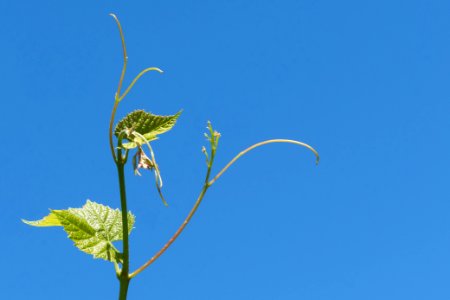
(92, 228)
(146, 124)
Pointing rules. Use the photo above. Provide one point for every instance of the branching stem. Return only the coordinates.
(124, 274)
(208, 183)
(186, 221)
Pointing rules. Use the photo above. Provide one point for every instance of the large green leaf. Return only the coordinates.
(92, 228)
(146, 124)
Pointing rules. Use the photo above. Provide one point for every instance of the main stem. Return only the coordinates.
(124, 277)
(123, 289)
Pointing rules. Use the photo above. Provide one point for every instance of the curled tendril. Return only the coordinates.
(242, 153)
(136, 79)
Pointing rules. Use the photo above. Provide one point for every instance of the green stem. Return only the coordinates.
(124, 277)
(123, 289)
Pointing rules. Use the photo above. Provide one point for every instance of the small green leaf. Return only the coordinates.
(92, 228)
(146, 124)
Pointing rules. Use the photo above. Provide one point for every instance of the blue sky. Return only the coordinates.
(365, 82)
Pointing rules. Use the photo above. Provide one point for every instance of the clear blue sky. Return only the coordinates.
(365, 82)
